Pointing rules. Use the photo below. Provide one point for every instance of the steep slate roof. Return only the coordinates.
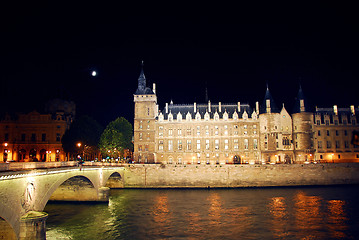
(299, 97)
(203, 108)
(341, 113)
(142, 89)
(273, 106)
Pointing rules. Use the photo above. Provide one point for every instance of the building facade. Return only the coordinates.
(238, 133)
(34, 136)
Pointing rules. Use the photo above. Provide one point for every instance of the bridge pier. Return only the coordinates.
(103, 194)
(33, 226)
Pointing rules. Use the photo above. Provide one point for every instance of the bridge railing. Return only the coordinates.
(16, 166)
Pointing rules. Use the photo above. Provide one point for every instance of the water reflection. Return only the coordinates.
(215, 214)
(337, 219)
(278, 209)
(214, 211)
(308, 215)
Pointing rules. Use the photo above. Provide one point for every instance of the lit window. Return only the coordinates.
(255, 144)
(179, 144)
(246, 144)
(189, 145)
(216, 144)
(170, 145)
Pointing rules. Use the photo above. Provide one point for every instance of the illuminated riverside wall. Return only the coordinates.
(222, 176)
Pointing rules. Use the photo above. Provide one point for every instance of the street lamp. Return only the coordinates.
(79, 146)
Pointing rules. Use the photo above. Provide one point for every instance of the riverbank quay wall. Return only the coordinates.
(236, 176)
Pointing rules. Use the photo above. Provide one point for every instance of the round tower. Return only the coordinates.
(302, 130)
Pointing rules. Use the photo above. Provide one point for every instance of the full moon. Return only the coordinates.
(94, 73)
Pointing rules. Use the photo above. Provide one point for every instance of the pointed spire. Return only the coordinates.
(142, 89)
(300, 102)
(268, 104)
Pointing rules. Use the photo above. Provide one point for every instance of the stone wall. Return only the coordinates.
(204, 176)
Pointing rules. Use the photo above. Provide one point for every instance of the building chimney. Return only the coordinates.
(194, 107)
(257, 107)
(154, 88)
(239, 106)
(352, 109)
(335, 108)
(209, 106)
(301, 105)
(166, 107)
(268, 109)
(219, 107)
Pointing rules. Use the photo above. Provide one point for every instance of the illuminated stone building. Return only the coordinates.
(220, 133)
(333, 129)
(35, 136)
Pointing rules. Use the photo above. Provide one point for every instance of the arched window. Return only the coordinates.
(32, 154)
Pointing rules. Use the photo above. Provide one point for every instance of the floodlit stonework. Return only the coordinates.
(219, 133)
(36, 136)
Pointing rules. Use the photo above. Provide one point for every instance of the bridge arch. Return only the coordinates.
(58, 182)
(27, 193)
(8, 222)
(114, 180)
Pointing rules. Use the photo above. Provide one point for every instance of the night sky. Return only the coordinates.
(49, 50)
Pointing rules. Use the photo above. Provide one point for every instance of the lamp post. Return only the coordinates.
(79, 146)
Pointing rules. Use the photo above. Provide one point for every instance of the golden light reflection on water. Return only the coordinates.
(215, 208)
(194, 226)
(161, 212)
(235, 219)
(337, 219)
(279, 212)
(308, 216)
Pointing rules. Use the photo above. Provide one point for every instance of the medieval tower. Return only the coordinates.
(146, 111)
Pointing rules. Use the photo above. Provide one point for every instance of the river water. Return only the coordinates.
(245, 213)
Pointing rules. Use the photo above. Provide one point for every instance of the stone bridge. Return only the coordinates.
(24, 195)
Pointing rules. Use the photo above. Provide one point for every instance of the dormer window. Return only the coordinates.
(198, 116)
(225, 116)
(179, 117)
(188, 117)
(245, 115)
(170, 117)
(206, 116)
(254, 115)
(160, 117)
(235, 116)
(216, 116)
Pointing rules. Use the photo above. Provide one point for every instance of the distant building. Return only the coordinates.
(238, 133)
(35, 136)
